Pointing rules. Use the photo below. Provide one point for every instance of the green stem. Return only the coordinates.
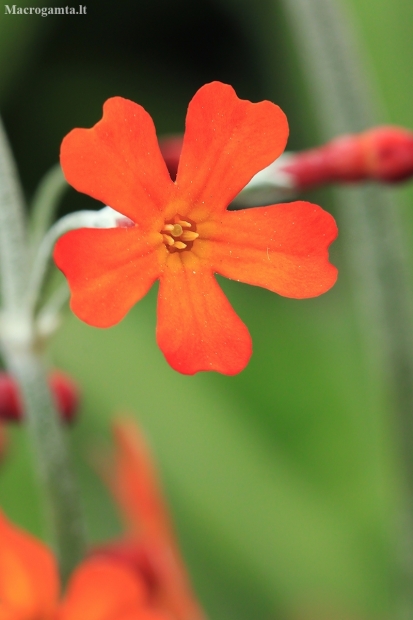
(41, 259)
(45, 203)
(48, 317)
(19, 347)
(342, 98)
(13, 248)
(62, 512)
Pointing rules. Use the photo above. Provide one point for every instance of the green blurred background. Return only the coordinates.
(284, 481)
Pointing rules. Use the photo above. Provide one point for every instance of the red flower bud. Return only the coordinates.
(10, 405)
(66, 393)
(382, 153)
(388, 153)
(63, 388)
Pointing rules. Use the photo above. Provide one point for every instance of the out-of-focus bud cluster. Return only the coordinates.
(64, 390)
(382, 154)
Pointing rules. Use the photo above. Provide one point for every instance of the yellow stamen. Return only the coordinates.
(168, 228)
(177, 230)
(184, 224)
(179, 245)
(168, 240)
(188, 235)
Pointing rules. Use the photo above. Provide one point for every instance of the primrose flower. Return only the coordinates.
(149, 543)
(180, 231)
(99, 589)
(141, 577)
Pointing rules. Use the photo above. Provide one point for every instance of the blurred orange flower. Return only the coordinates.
(149, 543)
(141, 578)
(181, 232)
(99, 589)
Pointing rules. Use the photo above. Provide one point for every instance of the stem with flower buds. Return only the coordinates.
(21, 351)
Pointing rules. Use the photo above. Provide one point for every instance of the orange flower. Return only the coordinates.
(28, 576)
(181, 232)
(140, 578)
(149, 543)
(99, 589)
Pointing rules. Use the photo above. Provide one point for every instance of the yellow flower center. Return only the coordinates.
(178, 234)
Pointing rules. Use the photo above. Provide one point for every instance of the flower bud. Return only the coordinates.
(381, 153)
(64, 390)
(10, 406)
(388, 153)
(66, 393)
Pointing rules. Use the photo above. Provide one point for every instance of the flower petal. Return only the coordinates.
(147, 613)
(28, 575)
(118, 162)
(282, 248)
(135, 485)
(137, 490)
(227, 140)
(102, 589)
(197, 327)
(108, 270)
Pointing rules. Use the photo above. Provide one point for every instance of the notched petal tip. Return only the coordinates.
(193, 366)
(283, 248)
(227, 141)
(118, 161)
(197, 328)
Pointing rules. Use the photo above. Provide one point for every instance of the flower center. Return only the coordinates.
(178, 234)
